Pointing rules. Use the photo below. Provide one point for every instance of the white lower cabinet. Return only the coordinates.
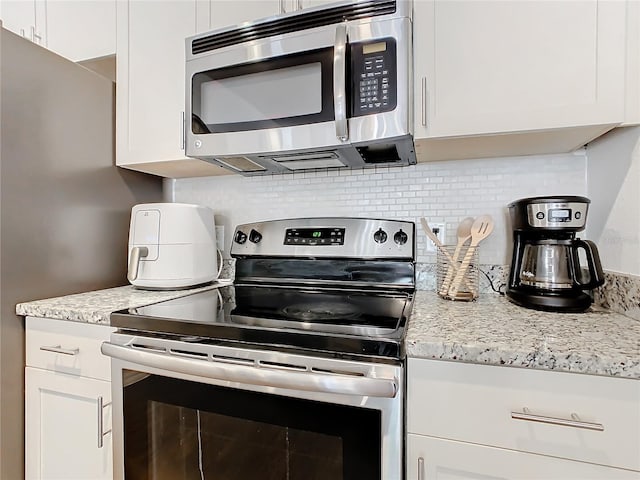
(438, 459)
(65, 438)
(468, 421)
(67, 401)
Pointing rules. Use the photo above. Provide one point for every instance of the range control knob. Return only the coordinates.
(380, 236)
(240, 237)
(400, 237)
(255, 236)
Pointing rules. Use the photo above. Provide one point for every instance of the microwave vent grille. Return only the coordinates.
(241, 164)
(293, 23)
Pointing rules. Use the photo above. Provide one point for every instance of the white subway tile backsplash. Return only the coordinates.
(443, 192)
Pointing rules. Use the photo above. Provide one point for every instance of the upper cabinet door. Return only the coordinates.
(19, 17)
(484, 67)
(81, 30)
(632, 116)
(150, 96)
(300, 4)
(227, 13)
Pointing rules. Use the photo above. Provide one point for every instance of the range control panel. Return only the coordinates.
(373, 70)
(326, 237)
(314, 236)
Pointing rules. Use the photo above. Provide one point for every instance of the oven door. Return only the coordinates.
(308, 90)
(185, 410)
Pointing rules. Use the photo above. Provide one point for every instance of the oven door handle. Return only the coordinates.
(256, 375)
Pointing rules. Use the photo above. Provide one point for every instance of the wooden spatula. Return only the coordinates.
(481, 229)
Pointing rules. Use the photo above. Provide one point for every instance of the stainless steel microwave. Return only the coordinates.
(325, 87)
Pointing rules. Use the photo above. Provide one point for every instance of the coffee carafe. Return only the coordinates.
(547, 272)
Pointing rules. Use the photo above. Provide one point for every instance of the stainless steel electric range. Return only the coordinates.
(294, 372)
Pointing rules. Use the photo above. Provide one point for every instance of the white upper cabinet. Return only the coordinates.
(226, 13)
(77, 30)
(488, 67)
(632, 113)
(19, 16)
(150, 98)
(302, 4)
(81, 30)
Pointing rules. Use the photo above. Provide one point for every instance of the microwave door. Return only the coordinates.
(271, 95)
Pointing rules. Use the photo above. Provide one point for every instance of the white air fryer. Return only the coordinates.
(171, 246)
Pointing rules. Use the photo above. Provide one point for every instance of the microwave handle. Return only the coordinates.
(339, 82)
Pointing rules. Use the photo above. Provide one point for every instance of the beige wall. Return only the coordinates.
(64, 206)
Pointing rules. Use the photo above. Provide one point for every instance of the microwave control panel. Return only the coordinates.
(373, 70)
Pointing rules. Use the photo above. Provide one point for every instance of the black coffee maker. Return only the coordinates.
(546, 273)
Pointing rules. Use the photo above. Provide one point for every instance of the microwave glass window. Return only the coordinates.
(284, 91)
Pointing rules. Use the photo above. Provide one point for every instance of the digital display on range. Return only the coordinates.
(314, 236)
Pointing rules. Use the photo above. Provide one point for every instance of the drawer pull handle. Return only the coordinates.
(59, 349)
(575, 421)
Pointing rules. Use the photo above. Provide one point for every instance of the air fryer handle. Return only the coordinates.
(134, 261)
(593, 263)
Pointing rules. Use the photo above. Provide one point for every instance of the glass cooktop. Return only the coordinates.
(322, 320)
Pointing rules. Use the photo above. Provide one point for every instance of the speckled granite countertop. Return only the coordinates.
(494, 331)
(96, 306)
(489, 331)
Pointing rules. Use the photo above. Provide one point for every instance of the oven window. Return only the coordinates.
(176, 429)
(278, 92)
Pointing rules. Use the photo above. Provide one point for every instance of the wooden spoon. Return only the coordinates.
(463, 233)
(481, 229)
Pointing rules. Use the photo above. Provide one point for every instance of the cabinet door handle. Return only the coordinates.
(35, 38)
(183, 132)
(101, 432)
(420, 468)
(59, 349)
(423, 120)
(575, 421)
(282, 9)
(300, 7)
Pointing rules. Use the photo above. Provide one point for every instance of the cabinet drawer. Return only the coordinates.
(436, 459)
(68, 347)
(478, 403)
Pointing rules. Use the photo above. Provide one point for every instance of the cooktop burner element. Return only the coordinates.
(350, 298)
(321, 312)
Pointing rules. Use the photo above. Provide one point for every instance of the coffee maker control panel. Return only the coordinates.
(557, 215)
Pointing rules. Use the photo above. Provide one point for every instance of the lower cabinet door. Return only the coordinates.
(431, 458)
(67, 427)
